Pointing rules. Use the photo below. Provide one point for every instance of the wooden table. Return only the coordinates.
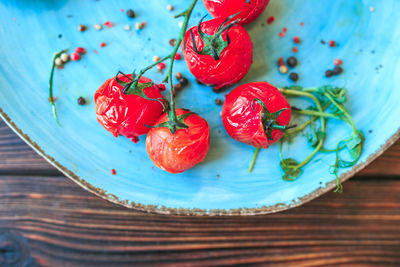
(47, 220)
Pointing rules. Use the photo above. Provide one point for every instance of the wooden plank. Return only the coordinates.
(65, 225)
(18, 158)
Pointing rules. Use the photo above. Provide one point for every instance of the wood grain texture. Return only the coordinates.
(67, 226)
(63, 225)
(18, 158)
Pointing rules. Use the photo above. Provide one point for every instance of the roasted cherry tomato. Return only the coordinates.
(256, 114)
(179, 151)
(127, 114)
(221, 53)
(249, 9)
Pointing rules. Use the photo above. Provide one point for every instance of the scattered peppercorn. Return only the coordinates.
(328, 73)
(270, 19)
(291, 62)
(178, 87)
(183, 81)
(332, 43)
(60, 36)
(219, 101)
(178, 75)
(281, 61)
(283, 69)
(82, 28)
(281, 34)
(296, 40)
(98, 27)
(130, 13)
(284, 29)
(161, 66)
(177, 56)
(295, 49)
(75, 56)
(64, 57)
(103, 44)
(81, 101)
(156, 58)
(323, 42)
(337, 70)
(338, 62)
(113, 172)
(302, 24)
(58, 61)
(172, 42)
(170, 7)
(294, 76)
(80, 50)
(141, 25)
(109, 24)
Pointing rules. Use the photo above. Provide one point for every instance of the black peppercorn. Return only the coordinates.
(177, 87)
(219, 101)
(291, 62)
(183, 81)
(328, 73)
(294, 76)
(337, 70)
(81, 101)
(130, 13)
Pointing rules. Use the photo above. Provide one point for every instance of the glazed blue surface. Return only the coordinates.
(29, 33)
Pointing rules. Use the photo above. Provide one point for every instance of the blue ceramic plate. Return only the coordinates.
(368, 42)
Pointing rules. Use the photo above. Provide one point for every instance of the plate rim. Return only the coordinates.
(194, 211)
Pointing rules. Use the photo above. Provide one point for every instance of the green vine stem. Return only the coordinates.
(51, 98)
(323, 125)
(169, 77)
(253, 159)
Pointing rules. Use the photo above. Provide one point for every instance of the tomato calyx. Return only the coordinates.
(214, 44)
(133, 87)
(174, 122)
(269, 120)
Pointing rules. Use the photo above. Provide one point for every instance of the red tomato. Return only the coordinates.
(182, 150)
(234, 57)
(249, 9)
(123, 114)
(244, 124)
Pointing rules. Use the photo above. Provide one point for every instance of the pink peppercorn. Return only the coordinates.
(103, 44)
(161, 66)
(270, 19)
(113, 172)
(75, 56)
(302, 24)
(284, 29)
(108, 24)
(337, 62)
(80, 50)
(177, 56)
(332, 43)
(296, 39)
(295, 49)
(281, 34)
(281, 61)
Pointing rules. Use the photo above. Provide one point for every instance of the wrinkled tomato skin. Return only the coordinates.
(244, 124)
(175, 153)
(248, 11)
(235, 60)
(123, 114)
